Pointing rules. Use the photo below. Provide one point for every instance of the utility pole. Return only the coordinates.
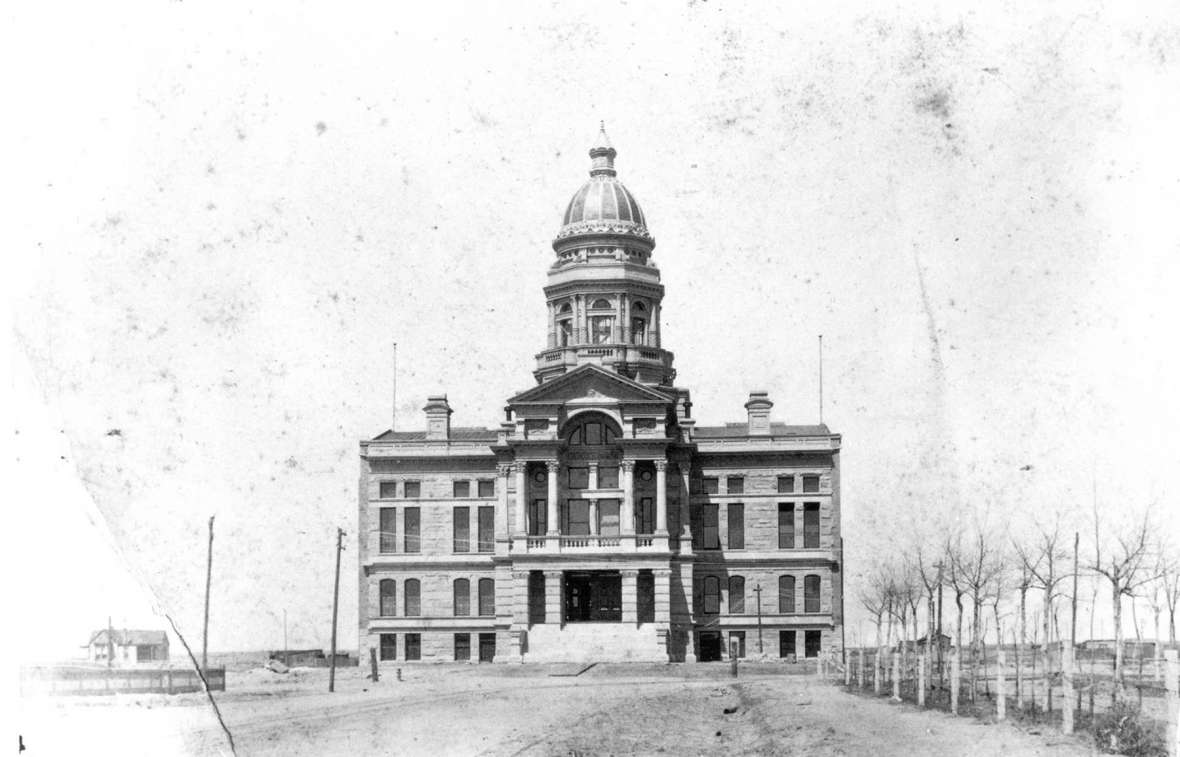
(335, 602)
(208, 581)
(110, 643)
(393, 415)
(1073, 622)
(758, 593)
(937, 640)
(821, 379)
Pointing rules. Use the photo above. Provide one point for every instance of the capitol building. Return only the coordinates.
(598, 522)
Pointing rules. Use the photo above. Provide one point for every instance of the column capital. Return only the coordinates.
(553, 574)
(628, 466)
(629, 572)
(519, 466)
(553, 465)
(504, 469)
(520, 575)
(661, 465)
(662, 572)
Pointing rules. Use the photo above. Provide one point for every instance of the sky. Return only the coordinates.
(228, 216)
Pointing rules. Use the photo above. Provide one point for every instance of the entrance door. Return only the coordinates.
(710, 646)
(593, 596)
(487, 647)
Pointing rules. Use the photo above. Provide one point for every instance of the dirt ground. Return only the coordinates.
(522, 710)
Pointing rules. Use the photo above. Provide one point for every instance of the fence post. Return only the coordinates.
(1172, 684)
(877, 671)
(1067, 688)
(922, 681)
(955, 682)
(373, 664)
(1001, 697)
(847, 670)
(860, 668)
(896, 677)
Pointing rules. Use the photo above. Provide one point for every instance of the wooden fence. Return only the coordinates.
(1070, 696)
(90, 680)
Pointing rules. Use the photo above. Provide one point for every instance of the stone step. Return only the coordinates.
(592, 642)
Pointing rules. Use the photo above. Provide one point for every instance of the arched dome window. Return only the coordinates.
(602, 326)
(592, 429)
(601, 304)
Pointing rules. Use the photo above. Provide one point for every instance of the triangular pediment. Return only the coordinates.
(590, 385)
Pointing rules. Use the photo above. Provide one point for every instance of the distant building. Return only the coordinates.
(127, 647)
(598, 521)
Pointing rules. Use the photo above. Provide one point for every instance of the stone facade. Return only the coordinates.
(598, 522)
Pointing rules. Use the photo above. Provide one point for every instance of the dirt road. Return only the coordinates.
(524, 711)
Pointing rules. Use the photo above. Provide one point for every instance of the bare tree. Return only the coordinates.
(1042, 560)
(954, 562)
(1126, 566)
(975, 567)
(1170, 578)
(930, 574)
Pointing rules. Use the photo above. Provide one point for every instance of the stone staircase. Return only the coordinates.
(591, 642)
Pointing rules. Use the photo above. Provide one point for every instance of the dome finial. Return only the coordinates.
(602, 154)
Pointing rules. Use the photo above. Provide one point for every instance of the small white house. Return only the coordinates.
(127, 647)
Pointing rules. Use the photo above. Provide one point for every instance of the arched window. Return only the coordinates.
(487, 597)
(786, 594)
(592, 429)
(566, 309)
(712, 595)
(387, 590)
(737, 595)
(811, 594)
(413, 598)
(462, 597)
(601, 304)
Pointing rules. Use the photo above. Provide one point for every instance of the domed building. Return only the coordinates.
(598, 522)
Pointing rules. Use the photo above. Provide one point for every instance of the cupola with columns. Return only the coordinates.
(604, 293)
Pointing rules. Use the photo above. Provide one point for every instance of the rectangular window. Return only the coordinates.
(538, 515)
(579, 478)
(593, 433)
(487, 489)
(462, 600)
(462, 647)
(811, 525)
(645, 517)
(811, 594)
(608, 478)
(786, 595)
(412, 490)
(411, 522)
(388, 489)
(709, 535)
(712, 595)
(812, 641)
(387, 541)
(487, 597)
(736, 526)
(462, 529)
(786, 644)
(461, 489)
(487, 529)
(645, 596)
(388, 644)
(709, 485)
(575, 517)
(413, 593)
(737, 639)
(786, 525)
(735, 485)
(786, 484)
(608, 517)
(413, 646)
(811, 484)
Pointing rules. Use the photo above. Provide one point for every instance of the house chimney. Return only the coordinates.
(758, 413)
(438, 417)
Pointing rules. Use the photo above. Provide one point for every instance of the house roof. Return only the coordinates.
(737, 430)
(125, 637)
(458, 433)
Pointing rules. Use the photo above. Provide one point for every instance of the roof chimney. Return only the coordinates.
(438, 417)
(758, 413)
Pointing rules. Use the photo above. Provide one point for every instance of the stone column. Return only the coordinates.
(685, 510)
(579, 320)
(625, 319)
(503, 532)
(553, 596)
(653, 326)
(593, 484)
(630, 595)
(520, 613)
(522, 496)
(552, 504)
(662, 497)
(663, 583)
(617, 333)
(552, 340)
(627, 513)
(594, 517)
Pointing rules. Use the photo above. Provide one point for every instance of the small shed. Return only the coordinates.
(127, 647)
